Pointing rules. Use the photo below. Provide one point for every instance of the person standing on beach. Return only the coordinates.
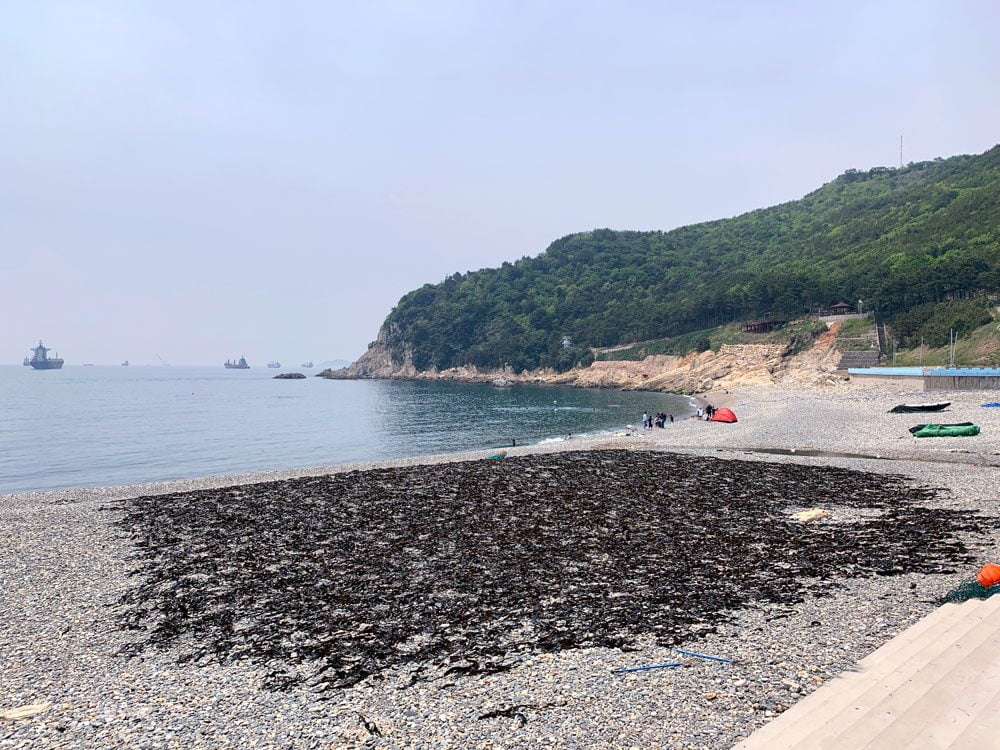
(645, 421)
(671, 419)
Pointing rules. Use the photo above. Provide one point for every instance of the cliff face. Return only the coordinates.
(375, 364)
(730, 367)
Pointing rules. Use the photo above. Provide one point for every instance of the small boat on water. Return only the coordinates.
(911, 408)
(42, 361)
(125, 363)
(240, 364)
(274, 364)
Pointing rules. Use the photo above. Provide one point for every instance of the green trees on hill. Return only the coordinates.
(931, 324)
(895, 238)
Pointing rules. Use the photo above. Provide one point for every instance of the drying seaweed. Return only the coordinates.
(463, 568)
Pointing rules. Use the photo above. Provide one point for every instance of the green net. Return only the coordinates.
(969, 590)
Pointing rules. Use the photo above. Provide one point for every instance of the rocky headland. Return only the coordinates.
(732, 366)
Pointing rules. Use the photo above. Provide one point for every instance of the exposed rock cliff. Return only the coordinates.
(732, 366)
(377, 364)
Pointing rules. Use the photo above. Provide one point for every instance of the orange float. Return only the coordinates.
(988, 575)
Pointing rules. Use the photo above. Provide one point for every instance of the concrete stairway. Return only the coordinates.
(883, 337)
(868, 358)
(935, 685)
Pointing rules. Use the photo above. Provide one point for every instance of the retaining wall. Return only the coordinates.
(962, 383)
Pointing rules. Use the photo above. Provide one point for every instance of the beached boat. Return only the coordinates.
(911, 408)
(958, 429)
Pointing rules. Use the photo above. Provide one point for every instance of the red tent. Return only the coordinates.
(723, 415)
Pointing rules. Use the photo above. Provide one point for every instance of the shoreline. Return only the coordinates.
(71, 566)
(840, 411)
(548, 443)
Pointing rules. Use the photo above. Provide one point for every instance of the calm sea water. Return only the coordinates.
(102, 426)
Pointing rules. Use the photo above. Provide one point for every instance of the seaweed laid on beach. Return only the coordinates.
(462, 568)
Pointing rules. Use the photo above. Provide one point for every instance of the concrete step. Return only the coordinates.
(940, 664)
(941, 641)
(948, 706)
(983, 732)
(840, 691)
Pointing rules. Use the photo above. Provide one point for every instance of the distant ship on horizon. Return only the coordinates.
(125, 363)
(40, 360)
(239, 365)
(273, 364)
(307, 364)
(27, 362)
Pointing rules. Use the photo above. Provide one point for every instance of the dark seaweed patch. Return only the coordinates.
(461, 568)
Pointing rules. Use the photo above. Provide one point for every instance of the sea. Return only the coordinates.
(105, 426)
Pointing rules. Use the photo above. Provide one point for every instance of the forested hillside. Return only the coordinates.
(895, 238)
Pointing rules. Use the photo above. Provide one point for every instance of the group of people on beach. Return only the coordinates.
(706, 413)
(660, 420)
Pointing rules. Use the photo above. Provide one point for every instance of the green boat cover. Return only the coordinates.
(947, 430)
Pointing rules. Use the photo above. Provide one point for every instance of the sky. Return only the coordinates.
(200, 180)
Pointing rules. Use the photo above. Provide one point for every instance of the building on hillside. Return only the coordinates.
(765, 325)
(841, 308)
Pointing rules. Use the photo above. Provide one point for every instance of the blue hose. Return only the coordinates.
(702, 656)
(643, 669)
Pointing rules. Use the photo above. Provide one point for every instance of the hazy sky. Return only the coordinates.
(207, 179)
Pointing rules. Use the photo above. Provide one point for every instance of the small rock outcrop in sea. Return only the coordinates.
(290, 376)
(466, 568)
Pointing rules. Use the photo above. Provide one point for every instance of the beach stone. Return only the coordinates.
(24, 712)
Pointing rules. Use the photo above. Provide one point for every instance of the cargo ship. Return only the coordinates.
(307, 364)
(239, 365)
(41, 360)
(274, 364)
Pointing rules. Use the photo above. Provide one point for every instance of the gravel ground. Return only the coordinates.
(63, 567)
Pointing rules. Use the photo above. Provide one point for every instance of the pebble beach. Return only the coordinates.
(112, 656)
